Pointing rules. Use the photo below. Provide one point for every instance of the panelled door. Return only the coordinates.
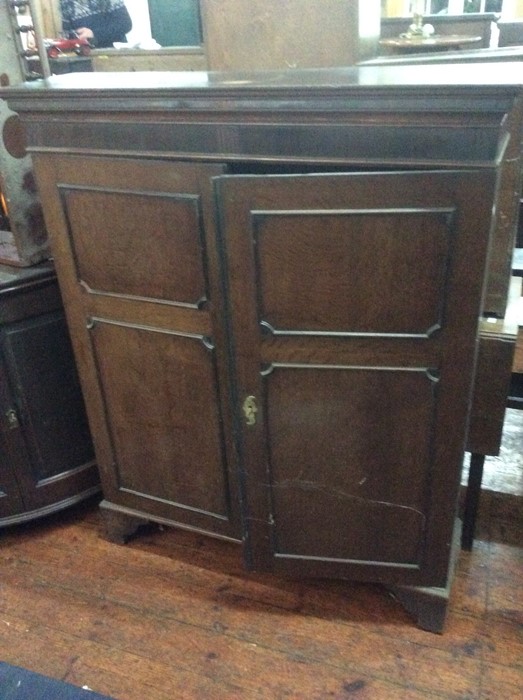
(137, 263)
(47, 432)
(354, 302)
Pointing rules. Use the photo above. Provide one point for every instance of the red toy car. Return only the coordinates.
(63, 46)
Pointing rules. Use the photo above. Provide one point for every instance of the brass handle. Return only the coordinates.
(250, 409)
(12, 419)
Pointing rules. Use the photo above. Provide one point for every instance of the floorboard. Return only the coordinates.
(173, 616)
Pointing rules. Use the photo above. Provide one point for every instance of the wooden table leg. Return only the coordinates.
(472, 500)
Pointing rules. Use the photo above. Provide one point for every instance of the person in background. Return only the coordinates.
(102, 22)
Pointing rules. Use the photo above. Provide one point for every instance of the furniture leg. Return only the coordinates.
(119, 526)
(472, 500)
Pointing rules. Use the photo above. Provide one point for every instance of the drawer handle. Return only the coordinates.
(250, 409)
(12, 419)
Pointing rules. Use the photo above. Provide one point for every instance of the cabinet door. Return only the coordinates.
(137, 263)
(354, 304)
(50, 447)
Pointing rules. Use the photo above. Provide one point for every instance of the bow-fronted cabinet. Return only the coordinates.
(46, 454)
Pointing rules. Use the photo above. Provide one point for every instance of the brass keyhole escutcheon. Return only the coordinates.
(12, 419)
(250, 409)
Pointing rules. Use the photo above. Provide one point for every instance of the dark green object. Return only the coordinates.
(175, 22)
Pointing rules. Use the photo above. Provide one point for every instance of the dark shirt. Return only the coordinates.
(107, 27)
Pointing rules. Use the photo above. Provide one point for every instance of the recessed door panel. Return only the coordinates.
(307, 271)
(162, 407)
(349, 447)
(137, 243)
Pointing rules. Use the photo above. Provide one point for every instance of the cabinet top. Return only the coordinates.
(449, 115)
(434, 84)
(16, 278)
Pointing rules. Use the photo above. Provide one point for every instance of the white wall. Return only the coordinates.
(141, 31)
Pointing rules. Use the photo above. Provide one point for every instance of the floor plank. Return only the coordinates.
(174, 616)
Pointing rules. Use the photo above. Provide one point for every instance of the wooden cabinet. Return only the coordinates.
(46, 455)
(274, 294)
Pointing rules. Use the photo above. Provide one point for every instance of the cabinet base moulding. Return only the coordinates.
(122, 524)
(48, 510)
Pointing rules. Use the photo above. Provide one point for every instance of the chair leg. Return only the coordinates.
(472, 500)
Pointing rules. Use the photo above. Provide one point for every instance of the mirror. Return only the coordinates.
(175, 23)
(170, 23)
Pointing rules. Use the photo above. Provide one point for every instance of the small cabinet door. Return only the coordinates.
(354, 304)
(46, 431)
(138, 267)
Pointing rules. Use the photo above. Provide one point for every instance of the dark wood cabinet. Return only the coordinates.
(274, 284)
(46, 454)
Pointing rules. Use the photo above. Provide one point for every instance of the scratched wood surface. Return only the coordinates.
(172, 615)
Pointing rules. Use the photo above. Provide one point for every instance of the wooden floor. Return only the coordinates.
(172, 616)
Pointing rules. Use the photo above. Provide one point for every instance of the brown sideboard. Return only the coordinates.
(273, 283)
